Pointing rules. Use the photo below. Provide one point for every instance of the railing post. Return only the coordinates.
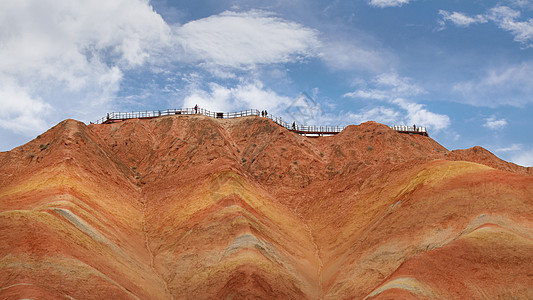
(243, 113)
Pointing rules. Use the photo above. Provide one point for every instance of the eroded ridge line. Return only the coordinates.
(150, 252)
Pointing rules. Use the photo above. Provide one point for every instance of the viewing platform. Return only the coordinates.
(306, 130)
(410, 129)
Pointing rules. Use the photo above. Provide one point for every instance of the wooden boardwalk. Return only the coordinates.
(306, 130)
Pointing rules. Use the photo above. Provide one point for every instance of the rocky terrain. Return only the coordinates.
(191, 207)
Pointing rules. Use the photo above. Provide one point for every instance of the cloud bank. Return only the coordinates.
(242, 96)
(510, 85)
(68, 57)
(64, 59)
(245, 39)
(524, 158)
(504, 17)
(396, 90)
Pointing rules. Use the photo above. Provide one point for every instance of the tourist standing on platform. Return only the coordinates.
(196, 109)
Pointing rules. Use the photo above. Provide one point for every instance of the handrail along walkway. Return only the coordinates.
(313, 130)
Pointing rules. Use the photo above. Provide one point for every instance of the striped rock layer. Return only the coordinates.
(190, 207)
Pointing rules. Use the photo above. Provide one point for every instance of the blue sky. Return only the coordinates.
(463, 69)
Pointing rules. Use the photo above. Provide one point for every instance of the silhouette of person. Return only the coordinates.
(414, 128)
(196, 109)
(293, 125)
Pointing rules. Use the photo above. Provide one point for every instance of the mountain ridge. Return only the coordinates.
(178, 206)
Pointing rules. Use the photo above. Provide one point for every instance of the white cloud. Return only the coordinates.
(379, 114)
(256, 95)
(77, 33)
(503, 16)
(512, 148)
(243, 96)
(521, 3)
(20, 112)
(388, 3)
(418, 114)
(495, 124)
(68, 57)
(503, 13)
(460, 19)
(524, 158)
(245, 39)
(368, 94)
(401, 86)
(392, 88)
(507, 85)
(517, 153)
(406, 113)
(388, 86)
(62, 59)
(348, 55)
(217, 98)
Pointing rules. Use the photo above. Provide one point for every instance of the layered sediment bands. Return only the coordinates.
(184, 207)
(70, 221)
(483, 156)
(226, 232)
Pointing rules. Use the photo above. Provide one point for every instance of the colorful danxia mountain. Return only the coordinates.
(193, 207)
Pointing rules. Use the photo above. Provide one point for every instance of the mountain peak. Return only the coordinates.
(244, 207)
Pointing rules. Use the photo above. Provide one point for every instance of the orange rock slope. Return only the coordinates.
(184, 207)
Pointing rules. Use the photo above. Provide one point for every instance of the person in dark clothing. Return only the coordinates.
(414, 128)
(293, 125)
(196, 109)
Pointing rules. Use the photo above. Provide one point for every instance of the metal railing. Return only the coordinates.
(410, 129)
(120, 116)
(298, 128)
(306, 129)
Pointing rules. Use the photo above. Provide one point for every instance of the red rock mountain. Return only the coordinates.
(191, 207)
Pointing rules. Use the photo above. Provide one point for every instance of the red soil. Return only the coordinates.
(193, 207)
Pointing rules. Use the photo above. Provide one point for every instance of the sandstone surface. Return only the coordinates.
(183, 207)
